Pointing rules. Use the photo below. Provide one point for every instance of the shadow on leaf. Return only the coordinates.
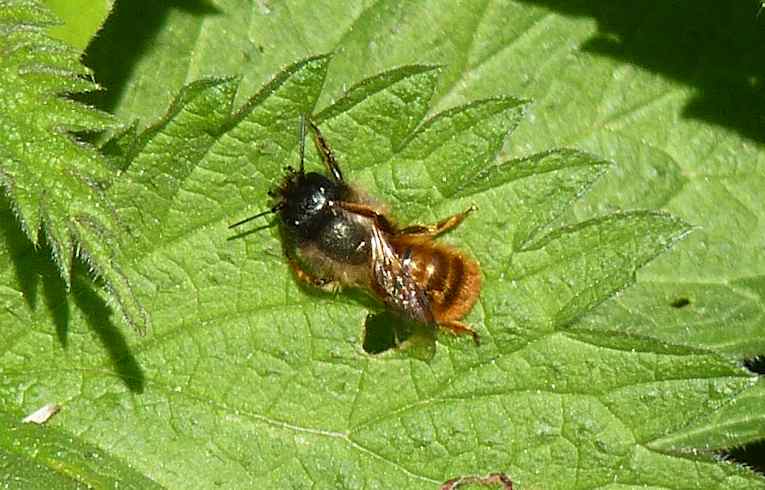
(98, 316)
(715, 47)
(32, 267)
(751, 455)
(129, 32)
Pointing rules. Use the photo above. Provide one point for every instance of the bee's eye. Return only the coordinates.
(315, 202)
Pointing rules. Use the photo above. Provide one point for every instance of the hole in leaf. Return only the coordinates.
(756, 365)
(680, 303)
(379, 334)
(751, 455)
(385, 331)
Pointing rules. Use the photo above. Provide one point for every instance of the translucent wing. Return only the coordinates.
(393, 280)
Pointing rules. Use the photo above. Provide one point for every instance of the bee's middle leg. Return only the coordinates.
(438, 228)
(380, 220)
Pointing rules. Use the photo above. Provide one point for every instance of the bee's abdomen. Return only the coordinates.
(451, 280)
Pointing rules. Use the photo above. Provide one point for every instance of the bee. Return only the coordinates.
(337, 236)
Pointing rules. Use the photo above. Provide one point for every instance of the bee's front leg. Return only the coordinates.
(327, 155)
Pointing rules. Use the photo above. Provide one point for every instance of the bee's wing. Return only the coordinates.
(392, 277)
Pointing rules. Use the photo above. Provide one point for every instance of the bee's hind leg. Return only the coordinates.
(459, 328)
(438, 228)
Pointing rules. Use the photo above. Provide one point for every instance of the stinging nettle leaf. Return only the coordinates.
(537, 190)
(56, 459)
(551, 275)
(54, 183)
(270, 379)
(386, 109)
(459, 143)
(600, 75)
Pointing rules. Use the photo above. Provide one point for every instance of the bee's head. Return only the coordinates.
(304, 200)
(305, 204)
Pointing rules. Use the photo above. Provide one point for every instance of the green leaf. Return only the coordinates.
(310, 389)
(581, 265)
(733, 425)
(81, 20)
(42, 457)
(250, 380)
(54, 183)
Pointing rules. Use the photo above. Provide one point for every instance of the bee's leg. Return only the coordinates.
(308, 278)
(438, 228)
(380, 220)
(459, 328)
(326, 152)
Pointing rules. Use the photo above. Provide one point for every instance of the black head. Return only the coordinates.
(306, 202)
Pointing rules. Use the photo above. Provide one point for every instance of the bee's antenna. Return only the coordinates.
(268, 211)
(301, 137)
